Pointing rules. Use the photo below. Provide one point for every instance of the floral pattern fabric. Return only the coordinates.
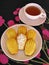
(12, 7)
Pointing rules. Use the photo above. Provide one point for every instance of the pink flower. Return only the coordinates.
(3, 59)
(15, 12)
(10, 23)
(38, 56)
(48, 51)
(26, 62)
(17, 18)
(1, 21)
(0, 17)
(45, 64)
(17, 9)
(45, 33)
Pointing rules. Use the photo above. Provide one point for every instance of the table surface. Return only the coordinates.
(10, 17)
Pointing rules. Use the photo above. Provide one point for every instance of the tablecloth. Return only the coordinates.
(9, 15)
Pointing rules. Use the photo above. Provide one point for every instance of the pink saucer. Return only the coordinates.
(28, 21)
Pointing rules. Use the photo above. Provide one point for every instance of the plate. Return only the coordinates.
(20, 56)
(28, 21)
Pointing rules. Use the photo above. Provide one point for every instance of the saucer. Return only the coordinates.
(28, 21)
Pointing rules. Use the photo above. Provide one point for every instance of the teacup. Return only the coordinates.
(34, 11)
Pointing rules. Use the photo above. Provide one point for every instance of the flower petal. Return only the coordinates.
(3, 59)
(1, 17)
(10, 23)
(45, 64)
(45, 37)
(17, 19)
(48, 51)
(2, 22)
(17, 9)
(15, 12)
(45, 33)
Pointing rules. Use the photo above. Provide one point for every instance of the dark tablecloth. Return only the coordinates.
(7, 8)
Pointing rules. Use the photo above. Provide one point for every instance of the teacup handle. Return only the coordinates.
(43, 15)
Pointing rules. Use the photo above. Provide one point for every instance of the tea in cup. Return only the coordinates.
(34, 11)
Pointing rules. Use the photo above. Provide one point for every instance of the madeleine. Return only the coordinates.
(30, 47)
(12, 46)
(22, 30)
(31, 34)
(11, 33)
